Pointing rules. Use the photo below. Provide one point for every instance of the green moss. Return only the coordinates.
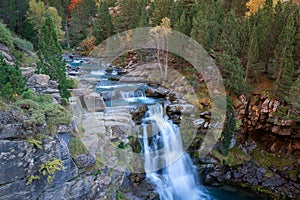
(35, 143)
(41, 110)
(48, 169)
(236, 156)
(266, 159)
(77, 147)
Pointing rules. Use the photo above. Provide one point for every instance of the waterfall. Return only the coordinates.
(166, 164)
(133, 95)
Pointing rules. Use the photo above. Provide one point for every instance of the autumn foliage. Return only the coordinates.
(87, 45)
(73, 4)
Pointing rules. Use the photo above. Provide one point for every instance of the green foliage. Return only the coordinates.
(207, 23)
(130, 12)
(48, 169)
(56, 114)
(183, 25)
(73, 83)
(228, 59)
(50, 55)
(5, 36)
(12, 82)
(41, 111)
(22, 44)
(51, 167)
(31, 179)
(284, 64)
(77, 147)
(103, 26)
(35, 143)
(229, 128)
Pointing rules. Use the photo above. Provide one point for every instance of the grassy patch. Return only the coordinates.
(77, 147)
(236, 156)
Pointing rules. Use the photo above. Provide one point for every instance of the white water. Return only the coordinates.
(132, 96)
(166, 164)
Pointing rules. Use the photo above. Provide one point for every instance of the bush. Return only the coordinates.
(22, 44)
(12, 82)
(5, 36)
(72, 83)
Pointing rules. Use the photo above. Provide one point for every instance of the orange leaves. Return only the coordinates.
(87, 45)
(73, 4)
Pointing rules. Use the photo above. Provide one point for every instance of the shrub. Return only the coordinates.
(73, 83)
(22, 44)
(12, 82)
(5, 36)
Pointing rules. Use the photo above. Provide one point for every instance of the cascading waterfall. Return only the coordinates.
(166, 163)
(133, 95)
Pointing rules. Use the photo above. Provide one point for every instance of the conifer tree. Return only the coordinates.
(129, 14)
(228, 59)
(103, 26)
(50, 56)
(183, 25)
(207, 23)
(284, 64)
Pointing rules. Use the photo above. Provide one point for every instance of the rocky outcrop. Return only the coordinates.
(258, 113)
(4, 50)
(41, 84)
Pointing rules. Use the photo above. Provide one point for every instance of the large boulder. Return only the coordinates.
(93, 102)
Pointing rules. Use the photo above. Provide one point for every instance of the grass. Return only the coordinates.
(77, 147)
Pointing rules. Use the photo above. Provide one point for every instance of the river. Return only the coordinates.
(171, 170)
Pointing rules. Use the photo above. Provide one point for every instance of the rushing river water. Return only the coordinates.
(166, 164)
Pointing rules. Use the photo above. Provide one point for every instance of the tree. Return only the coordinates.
(228, 59)
(207, 23)
(50, 56)
(183, 25)
(160, 34)
(13, 14)
(103, 26)
(129, 13)
(249, 49)
(12, 82)
(284, 64)
(36, 14)
(80, 17)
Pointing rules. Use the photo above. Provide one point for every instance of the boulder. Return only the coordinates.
(93, 102)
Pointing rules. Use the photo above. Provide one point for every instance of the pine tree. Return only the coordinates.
(207, 23)
(50, 56)
(103, 26)
(249, 49)
(129, 14)
(12, 82)
(228, 59)
(284, 63)
(183, 25)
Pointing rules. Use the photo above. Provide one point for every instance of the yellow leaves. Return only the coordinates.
(254, 5)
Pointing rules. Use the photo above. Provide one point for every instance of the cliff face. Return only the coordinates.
(260, 121)
(29, 151)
